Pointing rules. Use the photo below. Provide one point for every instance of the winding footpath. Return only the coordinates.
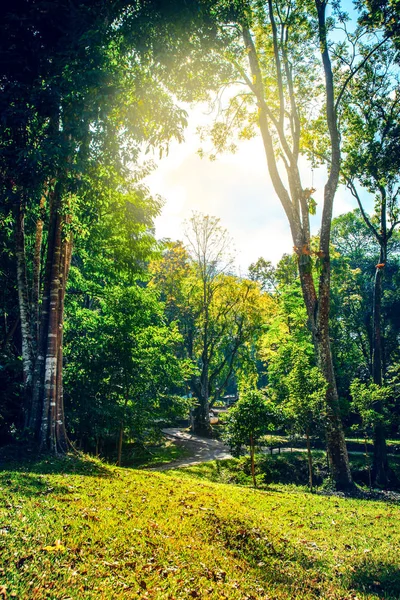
(200, 449)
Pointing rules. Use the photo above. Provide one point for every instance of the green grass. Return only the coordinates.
(289, 468)
(152, 455)
(73, 529)
(362, 441)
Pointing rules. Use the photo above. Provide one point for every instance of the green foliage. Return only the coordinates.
(249, 419)
(304, 406)
(219, 315)
(121, 366)
(367, 396)
(287, 468)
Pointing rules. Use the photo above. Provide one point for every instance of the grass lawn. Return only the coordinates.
(284, 468)
(73, 529)
(150, 456)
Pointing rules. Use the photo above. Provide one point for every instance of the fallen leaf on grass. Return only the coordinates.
(58, 547)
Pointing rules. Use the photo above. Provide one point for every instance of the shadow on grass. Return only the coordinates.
(29, 485)
(269, 557)
(27, 460)
(377, 577)
(227, 471)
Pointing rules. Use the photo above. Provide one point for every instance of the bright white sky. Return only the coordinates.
(237, 189)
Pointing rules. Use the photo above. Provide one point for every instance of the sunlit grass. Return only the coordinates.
(79, 529)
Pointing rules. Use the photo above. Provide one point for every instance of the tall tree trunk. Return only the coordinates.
(37, 253)
(253, 469)
(336, 443)
(121, 429)
(201, 413)
(47, 426)
(296, 209)
(309, 457)
(38, 374)
(60, 432)
(23, 298)
(381, 472)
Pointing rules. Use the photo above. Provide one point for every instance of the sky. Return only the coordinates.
(237, 189)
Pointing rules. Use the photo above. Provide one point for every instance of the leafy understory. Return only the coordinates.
(77, 528)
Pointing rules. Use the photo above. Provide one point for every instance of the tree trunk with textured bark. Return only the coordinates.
(48, 418)
(23, 298)
(37, 254)
(45, 409)
(310, 465)
(294, 200)
(253, 468)
(382, 474)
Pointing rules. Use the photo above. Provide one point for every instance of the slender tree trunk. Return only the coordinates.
(367, 461)
(296, 209)
(61, 434)
(120, 440)
(201, 413)
(23, 299)
(48, 422)
(336, 443)
(253, 469)
(37, 253)
(121, 430)
(381, 472)
(309, 456)
(38, 375)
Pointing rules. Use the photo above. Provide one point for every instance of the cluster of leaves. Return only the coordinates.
(249, 420)
(121, 366)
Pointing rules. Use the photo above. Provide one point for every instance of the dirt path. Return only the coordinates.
(200, 449)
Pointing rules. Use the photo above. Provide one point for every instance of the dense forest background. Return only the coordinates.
(108, 334)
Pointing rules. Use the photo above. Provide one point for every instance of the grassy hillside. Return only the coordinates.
(74, 529)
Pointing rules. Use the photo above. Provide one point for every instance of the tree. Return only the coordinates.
(372, 161)
(371, 403)
(121, 363)
(304, 405)
(265, 273)
(218, 313)
(248, 420)
(80, 94)
(275, 63)
(209, 247)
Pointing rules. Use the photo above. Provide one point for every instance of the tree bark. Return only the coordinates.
(296, 209)
(38, 375)
(309, 456)
(61, 434)
(48, 420)
(201, 413)
(36, 273)
(381, 471)
(23, 298)
(253, 469)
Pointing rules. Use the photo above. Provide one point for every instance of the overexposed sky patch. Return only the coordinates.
(237, 189)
